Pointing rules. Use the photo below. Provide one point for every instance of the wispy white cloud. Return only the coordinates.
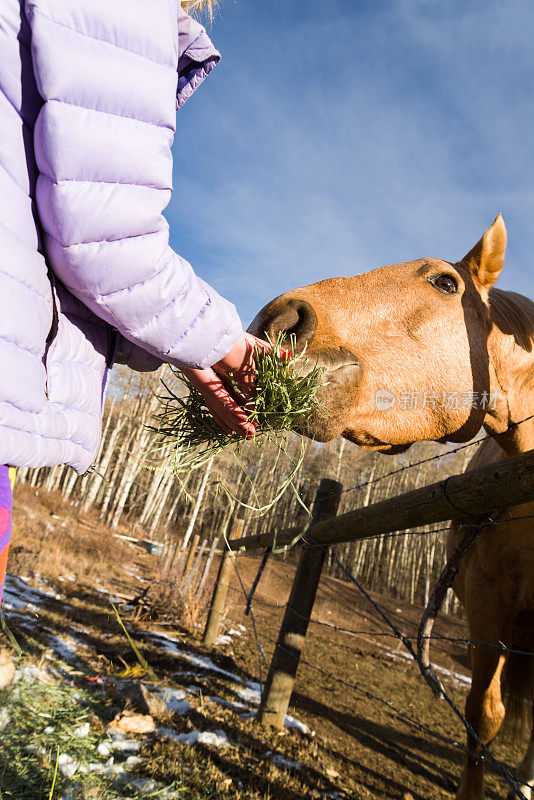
(337, 137)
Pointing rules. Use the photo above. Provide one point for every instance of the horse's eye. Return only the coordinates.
(445, 283)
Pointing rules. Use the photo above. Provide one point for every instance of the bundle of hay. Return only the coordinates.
(285, 397)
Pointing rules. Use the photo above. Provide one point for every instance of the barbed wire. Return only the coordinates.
(373, 696)
(427, 460)
(512, 780)
(501, 646)
(488, 522)
(260, 653)
(508, 776)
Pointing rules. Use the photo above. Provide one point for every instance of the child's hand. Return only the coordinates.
(239, 362)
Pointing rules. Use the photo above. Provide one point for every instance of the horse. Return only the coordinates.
(432, 350)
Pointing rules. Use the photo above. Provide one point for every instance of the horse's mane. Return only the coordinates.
(513, 314)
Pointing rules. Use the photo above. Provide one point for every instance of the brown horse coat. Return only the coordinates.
(428, 349)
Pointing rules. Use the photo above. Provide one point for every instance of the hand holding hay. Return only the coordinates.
(235, 374)
(285, 389)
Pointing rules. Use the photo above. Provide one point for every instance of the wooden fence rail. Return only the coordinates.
(506, 483)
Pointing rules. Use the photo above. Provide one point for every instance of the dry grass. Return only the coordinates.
(42, 718)
(165, 600)
(362, 750)
(50, 541)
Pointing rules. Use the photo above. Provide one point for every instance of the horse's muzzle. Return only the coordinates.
(293, 320)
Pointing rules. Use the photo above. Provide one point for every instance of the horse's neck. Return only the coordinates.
(512, 383)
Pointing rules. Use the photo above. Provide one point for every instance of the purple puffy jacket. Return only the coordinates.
(88, 97)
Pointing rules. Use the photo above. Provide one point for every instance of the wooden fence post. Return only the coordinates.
(222, 585)
(286, 657)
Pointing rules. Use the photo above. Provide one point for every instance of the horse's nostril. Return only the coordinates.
(289, 319)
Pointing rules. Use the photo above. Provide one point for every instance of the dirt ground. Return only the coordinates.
(375, 751)
(349, 690)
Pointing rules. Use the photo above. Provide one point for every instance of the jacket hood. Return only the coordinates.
(196, 56)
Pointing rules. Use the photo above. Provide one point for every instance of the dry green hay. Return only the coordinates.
(285, 398)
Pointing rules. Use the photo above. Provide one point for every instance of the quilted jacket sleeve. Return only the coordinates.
(108, 76)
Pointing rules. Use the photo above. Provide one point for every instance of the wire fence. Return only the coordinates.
(486, 757)
(406, 639)
(501, 646)
(437, 457)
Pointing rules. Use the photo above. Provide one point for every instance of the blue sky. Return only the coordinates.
(340, 135)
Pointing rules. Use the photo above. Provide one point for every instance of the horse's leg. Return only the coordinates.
(525, 770)
(484, 710)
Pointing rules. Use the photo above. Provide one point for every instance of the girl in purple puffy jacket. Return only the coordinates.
(88, 98)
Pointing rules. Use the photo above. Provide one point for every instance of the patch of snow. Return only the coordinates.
(4, 717)
(82, 730)
(103, 749)
(110, 597)
(64, 648)
(136, 576)
(131, 761)
(31, 674)
(126, 745)
(192, 688)
(170, 645)
(167, 643)
(291, 722)
(223, 638)
(233, 632)
(49, 729)
(213, 738)
(115, 733)
(242, 628)
(250, 693)
(118, 743)
(19, 595)
(114, 769)
(220, 701)
(143, 785)
(281, 761)
(458, 677)
(67, 765)
(109, 768)
(175, 700)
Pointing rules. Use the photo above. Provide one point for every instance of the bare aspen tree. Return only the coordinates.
(198, 502)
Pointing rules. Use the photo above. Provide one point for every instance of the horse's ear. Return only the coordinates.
(486, 260)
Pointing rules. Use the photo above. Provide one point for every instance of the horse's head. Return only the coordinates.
(405, 347)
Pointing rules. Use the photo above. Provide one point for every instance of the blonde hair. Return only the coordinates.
(199, 6)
